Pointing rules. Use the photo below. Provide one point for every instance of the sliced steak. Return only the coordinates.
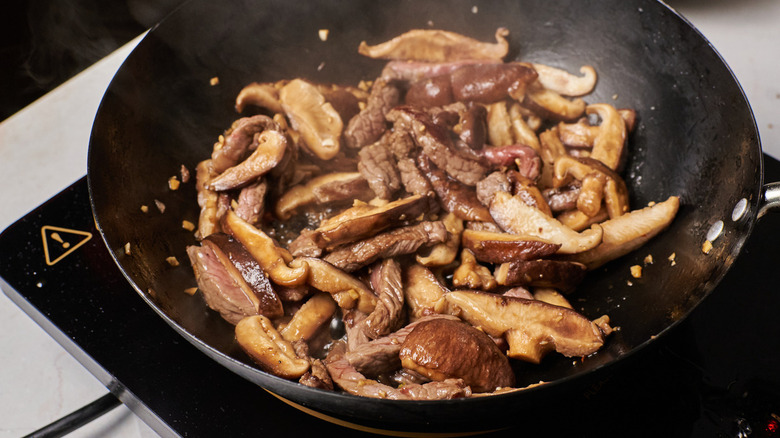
(495, 182)
(403, 240)
(369, 125)
(412, 178)
(378, 167)
(462, 164)
(250, 202)
(388, 315)
(238, 139)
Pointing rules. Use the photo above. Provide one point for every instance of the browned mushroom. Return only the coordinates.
(551, 105)
(271, 146)
(423, 292)
(444, 253)
(443, 349)
(364, 220)
(348, 291)
(515, 216)
(265, 345)
(262, 247)
(337, 186)
(562, 275)
(565, 83)
(437, 46)
(471, 275)
(318, 123)
(531, 327)
(628, 232)
(264, 95)
(609, 143)
(492, 247)
(598, 182)
(311, 316)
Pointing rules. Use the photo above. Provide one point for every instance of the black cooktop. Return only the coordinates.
(717, 374)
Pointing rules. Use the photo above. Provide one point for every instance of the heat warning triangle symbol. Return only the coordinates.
(59, 242)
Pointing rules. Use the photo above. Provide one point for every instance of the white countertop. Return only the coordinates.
(40, 382)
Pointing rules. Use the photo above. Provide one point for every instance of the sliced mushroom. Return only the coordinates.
(318, 123)
(264, 95)
(433, 45)
(208, 200)
(515, 216)
(271, 257)
(346, 290)
(522, 133)
(320, 190)
(578, 221)
(444, 253)
(499, 125)
(443, 349)
(551, 296)
(565, 83)
(423, 292)
(551, 148)
(562, 275)
(551, 105)
(532, 328)
(271, 146)
(609, 143)
(493, 247)
(364, 220)
(471, 275)
(628, 232)
(262, 342)
(311, 316)
(601, 182)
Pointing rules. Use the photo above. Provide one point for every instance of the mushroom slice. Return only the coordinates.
(262, 247)
(578, 221)
(551, 148)
(318, 123)
(565, 83)
(338, 186)
(363, 220)
(271, 145)
(523, 134)
(265, 345)
(516, 217)
(531, 327)
(346, 290)
(598, 181)
(434, 45)
(609, 143)
(265, 95)
(423, 292)
(313, 313)
(578, 135)
(472, 275)
(499, 124)
(551, 296)
(493, 247)
(445, 252)
(443, 349)
(208, 200)
(628, 232)
(551, 105)
(562, 275)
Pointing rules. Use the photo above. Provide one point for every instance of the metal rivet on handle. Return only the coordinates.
(739, 210)
(715, 231)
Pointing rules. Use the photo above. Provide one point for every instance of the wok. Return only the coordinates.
(695, 138)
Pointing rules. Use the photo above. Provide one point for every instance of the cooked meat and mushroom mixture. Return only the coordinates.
(413, 236)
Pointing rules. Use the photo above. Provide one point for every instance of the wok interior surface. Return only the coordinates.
(695, 137)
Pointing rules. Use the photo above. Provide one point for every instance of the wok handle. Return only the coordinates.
(770, 198)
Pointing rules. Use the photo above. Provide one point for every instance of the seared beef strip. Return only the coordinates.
(251, 200)
(378, 167)
(412, 178)
(404, 240)
(455, 197)
(366, 127)
(437, 144)
(238, 139)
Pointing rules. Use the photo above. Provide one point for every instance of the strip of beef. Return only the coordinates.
(304, 245)
(463, 164)
(412, 178)
(454, 196)
(238, 139)
(495, 182)
(563, 198)
(378, 167)
(369, 125)
(388, 315)
(528, 162)
(412, 71)
(346, 377)
(403, 240)
(317, 376)
(380, 356)
(250, 202)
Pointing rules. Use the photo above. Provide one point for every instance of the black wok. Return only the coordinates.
(695, 137)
